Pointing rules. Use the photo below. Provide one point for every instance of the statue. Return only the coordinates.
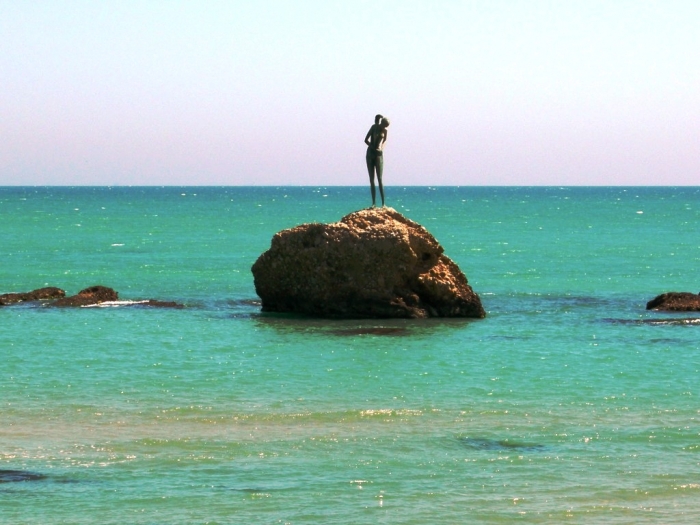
(375, 140)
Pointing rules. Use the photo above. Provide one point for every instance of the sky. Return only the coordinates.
(265, 92)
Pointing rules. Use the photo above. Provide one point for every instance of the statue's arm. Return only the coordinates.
(368, 138)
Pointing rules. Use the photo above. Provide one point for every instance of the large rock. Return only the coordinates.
(675, 302)
(374, 263)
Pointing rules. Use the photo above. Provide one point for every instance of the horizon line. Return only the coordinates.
(3, 186)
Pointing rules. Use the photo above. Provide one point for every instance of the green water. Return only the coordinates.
(568, 403)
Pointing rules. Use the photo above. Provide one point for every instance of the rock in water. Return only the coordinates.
(374, 263)
(89, 296)
(675, 302)
(41, 294)
(92, 296)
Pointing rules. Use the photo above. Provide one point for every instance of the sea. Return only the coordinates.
(568, 403)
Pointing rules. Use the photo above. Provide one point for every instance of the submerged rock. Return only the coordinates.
(40, 294)
(155, 303)
(675, 302)
(500, 445)
(14, 476)
(373, 263)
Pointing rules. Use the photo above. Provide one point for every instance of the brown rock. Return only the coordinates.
(675, 302)
(374, 263)
(39, 294)
(89, 296)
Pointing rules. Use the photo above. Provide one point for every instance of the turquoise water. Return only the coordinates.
(568, 403)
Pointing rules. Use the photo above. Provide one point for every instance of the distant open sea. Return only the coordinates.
(568, 403)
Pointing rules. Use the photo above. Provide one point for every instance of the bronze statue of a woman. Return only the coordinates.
(375, 140)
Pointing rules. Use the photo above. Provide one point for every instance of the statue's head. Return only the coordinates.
(385, 122)
(378, 119)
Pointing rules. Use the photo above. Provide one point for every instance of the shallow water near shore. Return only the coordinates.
(569, 402)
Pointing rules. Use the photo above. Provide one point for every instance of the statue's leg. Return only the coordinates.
(380, 171)
(370, 158)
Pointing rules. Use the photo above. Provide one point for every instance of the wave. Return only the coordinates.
(686, 321)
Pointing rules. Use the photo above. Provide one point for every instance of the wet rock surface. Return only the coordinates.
(373, 263)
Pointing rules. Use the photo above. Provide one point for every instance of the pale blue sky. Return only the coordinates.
(283, 92)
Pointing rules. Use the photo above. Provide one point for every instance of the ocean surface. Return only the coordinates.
(568, 403)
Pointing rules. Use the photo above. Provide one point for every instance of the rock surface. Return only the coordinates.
(40, 294)
(374, 263)
(675, 302)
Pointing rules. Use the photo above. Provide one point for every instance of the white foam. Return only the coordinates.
(113, 304)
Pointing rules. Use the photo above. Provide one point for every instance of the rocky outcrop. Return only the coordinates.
(89, 296)
(675, 302)
(40, 294)
(92, 296)
(374, 263)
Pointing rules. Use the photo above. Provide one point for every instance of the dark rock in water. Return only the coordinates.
(39, 294)
(675, 302)
(500, 445)
(154, 303)
(374, 263)
(96, 295)
(92, 296)
(89, 296)
(14, 476)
